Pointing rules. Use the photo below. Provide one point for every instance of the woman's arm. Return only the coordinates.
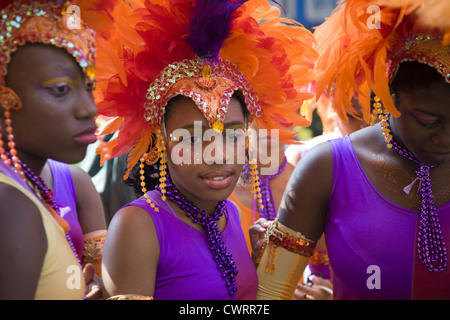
(89, 204)
(130, 254)
(92, 220)
(300, 224)
(23, 245)
(305, 201)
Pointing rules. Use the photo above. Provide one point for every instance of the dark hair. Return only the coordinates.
(151, 172)
(412, 75)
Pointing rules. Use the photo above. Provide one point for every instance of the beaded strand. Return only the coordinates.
(269, 210)
(430, 243)
(266, 205)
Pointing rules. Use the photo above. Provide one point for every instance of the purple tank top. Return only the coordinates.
(372, 242)
(66, 198)
(186, 268)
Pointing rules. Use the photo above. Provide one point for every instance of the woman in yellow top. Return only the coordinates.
(47, 111)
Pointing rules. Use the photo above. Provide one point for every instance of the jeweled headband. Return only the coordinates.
(45, 22)
(209, 83)
(426, 49)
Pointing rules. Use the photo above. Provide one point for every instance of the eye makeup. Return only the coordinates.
(53, 82)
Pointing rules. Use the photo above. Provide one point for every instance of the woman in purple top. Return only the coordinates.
(185, 259)
(80, 206)
(169, 256)
(380, 194)
(202, 71)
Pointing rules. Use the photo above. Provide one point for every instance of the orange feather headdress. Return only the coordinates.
(192, 47)
(362, 43)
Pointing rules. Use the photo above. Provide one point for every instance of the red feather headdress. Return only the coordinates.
(165, 46)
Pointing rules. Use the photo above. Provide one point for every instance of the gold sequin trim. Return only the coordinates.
(130, 297)
(276, 237)
(93, 249)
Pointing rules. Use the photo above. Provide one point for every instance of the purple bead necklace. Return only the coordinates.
(48, 196)
(224, 259)
(430, 244)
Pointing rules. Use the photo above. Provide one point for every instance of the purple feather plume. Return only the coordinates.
(210, 26)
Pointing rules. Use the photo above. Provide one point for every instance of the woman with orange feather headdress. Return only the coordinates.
(47, 119)
(380, 195)
(193, 71)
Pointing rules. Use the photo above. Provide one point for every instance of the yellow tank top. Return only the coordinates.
(61, 277)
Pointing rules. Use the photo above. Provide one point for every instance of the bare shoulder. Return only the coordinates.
(319, 157)
(132, 229)
(79, 176)
(305, 199)
(132, 218)
(18, 212)
(89, 204)
(23, 241)
(315, 168)
(132, 236)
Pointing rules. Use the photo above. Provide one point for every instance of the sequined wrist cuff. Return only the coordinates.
(278, 235)
(93, 248)
(130, 297)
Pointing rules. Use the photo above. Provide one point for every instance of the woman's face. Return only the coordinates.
(57, 117)
(209, 170)
(424, 125)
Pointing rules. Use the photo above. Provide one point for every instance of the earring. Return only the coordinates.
(10, 101)
(383, 115)
(143, 160)
(377, 108)
(254, 176)
(161, 146)
(254, 183)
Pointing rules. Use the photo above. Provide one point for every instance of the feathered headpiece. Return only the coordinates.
(205, 50)
(362, 43)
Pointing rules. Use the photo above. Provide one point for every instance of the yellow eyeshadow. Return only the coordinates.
(235, 126)
(57, 81)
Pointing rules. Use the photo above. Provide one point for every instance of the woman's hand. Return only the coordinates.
(319, 289)
(257, 234)
(94, 284)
